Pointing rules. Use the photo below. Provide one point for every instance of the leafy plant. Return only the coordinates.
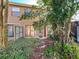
(22, 48)
(67, 51)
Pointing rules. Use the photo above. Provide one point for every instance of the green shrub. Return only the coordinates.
(66, 51)
(22, 48)
(75, 48)
(12, 54)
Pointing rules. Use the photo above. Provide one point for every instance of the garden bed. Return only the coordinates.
(20, 49)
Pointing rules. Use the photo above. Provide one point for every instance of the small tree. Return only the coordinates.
(58, 14)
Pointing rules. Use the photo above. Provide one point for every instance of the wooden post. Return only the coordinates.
(14, 33)
(45, 31)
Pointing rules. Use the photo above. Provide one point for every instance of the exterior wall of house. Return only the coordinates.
(22, 28)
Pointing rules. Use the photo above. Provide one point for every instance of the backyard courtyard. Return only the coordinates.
(39, 29)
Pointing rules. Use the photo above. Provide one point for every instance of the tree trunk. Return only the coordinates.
(3, 23)
(5, 18)
(69, 30)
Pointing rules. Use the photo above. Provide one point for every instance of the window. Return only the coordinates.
(27, 11)
(15, 11)
(10, 31)
(73, 29)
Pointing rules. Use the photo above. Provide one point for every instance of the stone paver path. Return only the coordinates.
(37, 53)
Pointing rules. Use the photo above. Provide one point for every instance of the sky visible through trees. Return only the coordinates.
(32, 2)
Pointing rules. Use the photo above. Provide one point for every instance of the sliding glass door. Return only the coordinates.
(19, 31)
